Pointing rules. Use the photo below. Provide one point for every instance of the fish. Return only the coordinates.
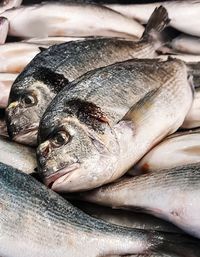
(17, 156)
(99, 126)
(192, 119)
(52, 40)
(8, 4)
(6, 81)
(184, 57)
(70, 19)
(125, 218)
(54, 68)
(179, 149)
(49, 226)
(170, 194)
(186, 44)
(183, 14)
(4, 26)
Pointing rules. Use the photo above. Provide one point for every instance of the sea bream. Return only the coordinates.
(184, 15)
(53, 68)
(171, 194)
(179, 149)
(35, 221)
(99, 126)
(70, 19)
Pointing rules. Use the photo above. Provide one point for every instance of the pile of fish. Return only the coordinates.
(100, 111)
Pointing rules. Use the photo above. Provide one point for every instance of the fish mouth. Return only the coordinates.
(60, 176)
(26, 136)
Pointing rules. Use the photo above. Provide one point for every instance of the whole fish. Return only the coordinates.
(53, 68)
(4, 26)
(186, 44)
(179, 149)
(184, 15)
(35, 221)
(171, 194)
(6, 81)
(8, 4)
(17, 156)
(99, 126)
(127, 219)
(70, 19)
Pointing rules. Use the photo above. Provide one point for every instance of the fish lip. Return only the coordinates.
(60, 175)
(16, 136)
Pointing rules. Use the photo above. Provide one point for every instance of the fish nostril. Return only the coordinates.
(45, 151)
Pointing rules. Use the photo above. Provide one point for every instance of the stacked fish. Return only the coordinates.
(98, 110)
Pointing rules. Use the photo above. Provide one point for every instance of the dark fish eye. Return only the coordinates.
(29, 100)
(60, 138)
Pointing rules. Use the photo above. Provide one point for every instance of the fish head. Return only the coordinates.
(77, 149)
(29, 97)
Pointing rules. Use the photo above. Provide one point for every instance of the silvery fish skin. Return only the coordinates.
(186, 44)
(192, 119)
(51, 70)
(8, 4)
(127, 219)
(171, 194)
(70, 19)
(98, 127)
(184, 15)
(179, 149)
(49, 226)
(183, 57)
(17, 156)
(52, 40)
(4, 26)
(6, 81)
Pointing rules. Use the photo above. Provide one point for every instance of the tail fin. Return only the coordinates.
(157, 22)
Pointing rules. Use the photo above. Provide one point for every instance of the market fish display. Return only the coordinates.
(70, 19)
(6, 81)
(179, 149)
(184, 15)
(97, 127)
(127, 219)
(171, 194)
(186, 44)
(53, 68)
(4, 26)
(49, 226)
(17, 156)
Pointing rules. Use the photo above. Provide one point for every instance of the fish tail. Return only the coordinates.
(178, 244)
(157, 22)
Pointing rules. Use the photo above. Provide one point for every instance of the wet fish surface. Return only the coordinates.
(70, 19)
(49, 226)
(4, 26)
(186, 44)
(179, 149)
(127, 218)
(184, 15)
(8, 4)
(171, 194)
(53, 68)
(98, 127)
(17, 156)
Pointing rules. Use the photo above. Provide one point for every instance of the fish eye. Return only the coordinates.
(60, 138)
(29, 100)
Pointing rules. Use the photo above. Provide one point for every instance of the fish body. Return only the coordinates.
(127, 219)
(53, 68)
(179, 149)
(6, 81)
(171, 194)
(186, 44)
(99, 126)
(183, 14)
(4, 26)
(8, 4)
(70, 19)
(35, 221)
